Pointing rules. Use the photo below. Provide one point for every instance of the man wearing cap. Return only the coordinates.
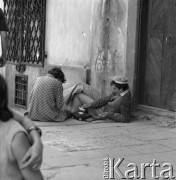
(117, 105)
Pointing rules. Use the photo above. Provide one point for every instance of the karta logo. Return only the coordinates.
(113, 169)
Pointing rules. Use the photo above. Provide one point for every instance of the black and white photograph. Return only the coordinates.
(87, 89)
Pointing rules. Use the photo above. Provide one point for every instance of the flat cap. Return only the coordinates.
(120, 79)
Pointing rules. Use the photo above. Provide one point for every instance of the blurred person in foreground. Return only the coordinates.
(4, 38)
(14, 143)
(33, 156)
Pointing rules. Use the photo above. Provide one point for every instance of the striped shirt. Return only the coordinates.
(46, 100)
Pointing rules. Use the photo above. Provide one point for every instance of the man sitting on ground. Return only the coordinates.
(46, 99)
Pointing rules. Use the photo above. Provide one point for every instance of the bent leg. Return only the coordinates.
(84, 99)
(78, 101)
(74, 105)
(91, 92)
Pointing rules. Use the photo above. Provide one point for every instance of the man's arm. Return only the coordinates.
(59, 96)
(101, 102)
(20, 146)
(34, 154)
(98, 103)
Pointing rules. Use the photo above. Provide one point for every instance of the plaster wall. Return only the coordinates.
(111, 50)
(69, 31)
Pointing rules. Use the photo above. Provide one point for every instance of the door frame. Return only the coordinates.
(141, 60)
(143, 29)
(141, 50)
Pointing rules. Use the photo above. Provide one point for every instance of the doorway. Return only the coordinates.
(157, 54)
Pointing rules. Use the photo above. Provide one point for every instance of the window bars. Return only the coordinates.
(26, 24)
(21, 86)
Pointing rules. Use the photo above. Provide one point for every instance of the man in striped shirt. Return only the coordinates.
(46, 99)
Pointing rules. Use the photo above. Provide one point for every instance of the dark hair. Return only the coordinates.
(58, 74)
(120, 86)
(5, 113)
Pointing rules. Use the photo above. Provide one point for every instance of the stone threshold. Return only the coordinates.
(156, 111)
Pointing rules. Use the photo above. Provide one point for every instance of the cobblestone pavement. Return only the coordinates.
(74, 150)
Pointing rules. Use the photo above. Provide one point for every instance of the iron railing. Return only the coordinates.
(26, 24)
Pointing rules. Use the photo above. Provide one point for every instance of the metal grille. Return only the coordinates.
(21, 82)
(26, 23)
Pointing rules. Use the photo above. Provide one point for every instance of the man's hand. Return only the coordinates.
(114, 97)
(2, 61)
(86, 106)
(101, 116)
(34, 156)
(104, 115)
